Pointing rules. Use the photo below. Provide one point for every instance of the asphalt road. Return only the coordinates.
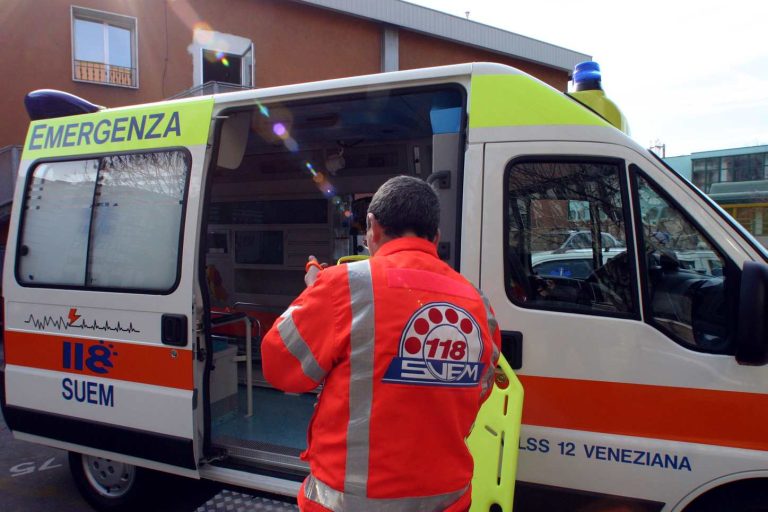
(35, 478)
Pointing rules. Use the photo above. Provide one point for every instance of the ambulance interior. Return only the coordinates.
(295, 179)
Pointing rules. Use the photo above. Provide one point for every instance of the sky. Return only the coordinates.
(692, 75)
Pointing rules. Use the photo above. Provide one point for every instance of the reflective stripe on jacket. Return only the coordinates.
(405, 348)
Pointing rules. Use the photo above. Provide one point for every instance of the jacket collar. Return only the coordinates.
(407, 243)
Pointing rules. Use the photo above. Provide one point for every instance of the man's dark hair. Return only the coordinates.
(406, 203)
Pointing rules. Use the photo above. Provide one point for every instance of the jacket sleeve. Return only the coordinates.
(495, 333)
(299, 349)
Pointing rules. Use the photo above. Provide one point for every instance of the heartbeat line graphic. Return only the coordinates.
(48, 321)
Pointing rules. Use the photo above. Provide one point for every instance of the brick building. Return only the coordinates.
(114, 52)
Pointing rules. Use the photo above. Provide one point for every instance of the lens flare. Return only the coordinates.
(279, 130)
(202, 33)
(263, 110)
(223, 58)
(325, 186)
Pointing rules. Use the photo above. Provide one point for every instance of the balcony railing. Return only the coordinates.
(101, 73)
(209, 88)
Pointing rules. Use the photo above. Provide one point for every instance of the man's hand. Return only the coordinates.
(312, 268)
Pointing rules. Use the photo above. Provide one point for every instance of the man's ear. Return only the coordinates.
(436, 240)
(377, 231)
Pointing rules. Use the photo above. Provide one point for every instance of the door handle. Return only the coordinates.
(173, 330)
(512, 348)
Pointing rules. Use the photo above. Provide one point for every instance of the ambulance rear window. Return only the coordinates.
(106, 223)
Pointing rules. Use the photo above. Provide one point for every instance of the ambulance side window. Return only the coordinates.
(566, 231)
(685, 281)
(107, 223)
(57, 216)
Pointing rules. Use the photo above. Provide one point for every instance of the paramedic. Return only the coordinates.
(405, 348)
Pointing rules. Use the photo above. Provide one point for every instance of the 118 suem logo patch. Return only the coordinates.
(441, 345)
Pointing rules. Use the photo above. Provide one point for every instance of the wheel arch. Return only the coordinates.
(737, 486)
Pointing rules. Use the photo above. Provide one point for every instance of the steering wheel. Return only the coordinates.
(612, 281)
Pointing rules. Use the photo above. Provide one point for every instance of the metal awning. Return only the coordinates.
(740, 192)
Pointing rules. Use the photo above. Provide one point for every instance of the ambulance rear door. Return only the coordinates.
(99, 283)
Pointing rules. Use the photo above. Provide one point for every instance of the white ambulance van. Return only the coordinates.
(152, 246)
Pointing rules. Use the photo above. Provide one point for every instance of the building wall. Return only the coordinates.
(42, 57)
(419, 51)
(293, 43)
(682, 164)
(744, 200)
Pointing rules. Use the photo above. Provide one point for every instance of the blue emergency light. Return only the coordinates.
(587, 77)
(588, 90)
(50, 103)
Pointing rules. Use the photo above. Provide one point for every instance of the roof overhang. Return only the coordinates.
(454, 28)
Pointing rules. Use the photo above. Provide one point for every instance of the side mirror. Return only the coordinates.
(752, 330)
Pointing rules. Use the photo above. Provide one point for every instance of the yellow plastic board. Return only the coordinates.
(494, 443)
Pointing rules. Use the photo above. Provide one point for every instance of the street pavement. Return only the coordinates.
(35, 478)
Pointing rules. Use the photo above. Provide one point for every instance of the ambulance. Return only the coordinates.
(152, 247)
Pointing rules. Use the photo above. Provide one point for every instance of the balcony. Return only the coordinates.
(100, 73)
(209, 88)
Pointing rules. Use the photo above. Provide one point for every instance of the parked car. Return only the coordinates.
(575, 264)
(583, 240)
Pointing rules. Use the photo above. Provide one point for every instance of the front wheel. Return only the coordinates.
(106, 484)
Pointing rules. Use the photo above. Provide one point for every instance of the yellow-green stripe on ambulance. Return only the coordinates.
(174, 124)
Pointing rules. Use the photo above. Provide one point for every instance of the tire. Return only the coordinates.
(108, 485)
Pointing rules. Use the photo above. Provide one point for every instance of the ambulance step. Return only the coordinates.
(230, 501)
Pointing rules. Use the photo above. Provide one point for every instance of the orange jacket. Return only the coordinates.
(405, 348)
